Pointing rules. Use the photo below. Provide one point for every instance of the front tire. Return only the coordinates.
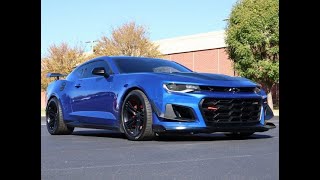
(54, 119)
(136, 116)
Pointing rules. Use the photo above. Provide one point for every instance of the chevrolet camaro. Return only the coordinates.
(143, 97)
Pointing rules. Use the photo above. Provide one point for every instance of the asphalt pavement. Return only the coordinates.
(103, 154)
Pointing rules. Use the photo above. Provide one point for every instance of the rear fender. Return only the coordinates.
(57, 89)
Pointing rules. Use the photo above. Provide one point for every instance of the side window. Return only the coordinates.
(87, 70)
(83, 71)
(80, 73)
(77, 74)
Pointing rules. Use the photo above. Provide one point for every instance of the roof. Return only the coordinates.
(120, 57)
(196, 42)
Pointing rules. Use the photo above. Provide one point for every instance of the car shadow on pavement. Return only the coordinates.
(207, 137)
(100, 133)
(170, 137)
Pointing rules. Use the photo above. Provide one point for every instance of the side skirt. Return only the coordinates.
(92, 126)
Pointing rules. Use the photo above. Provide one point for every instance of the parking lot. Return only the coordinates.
(103, 154)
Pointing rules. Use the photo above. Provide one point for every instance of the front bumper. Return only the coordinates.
(192, 100)
(227, 128)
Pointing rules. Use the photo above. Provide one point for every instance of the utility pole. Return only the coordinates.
(91, 44)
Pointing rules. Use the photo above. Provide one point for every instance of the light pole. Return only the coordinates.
(91, 44)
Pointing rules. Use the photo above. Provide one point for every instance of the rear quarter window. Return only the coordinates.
(76, 74)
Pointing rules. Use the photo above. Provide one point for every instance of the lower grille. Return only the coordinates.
(230, 110)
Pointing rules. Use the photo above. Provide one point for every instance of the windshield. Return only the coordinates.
(135, 65)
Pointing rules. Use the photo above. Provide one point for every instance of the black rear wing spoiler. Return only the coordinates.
(55, 75)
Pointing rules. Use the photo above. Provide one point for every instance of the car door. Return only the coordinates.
(99, 97)
(78, 93)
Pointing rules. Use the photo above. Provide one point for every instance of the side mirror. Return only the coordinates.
(100, 71)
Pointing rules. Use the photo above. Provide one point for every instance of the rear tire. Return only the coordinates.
(239, 134)
(54, 119)
(136, 117)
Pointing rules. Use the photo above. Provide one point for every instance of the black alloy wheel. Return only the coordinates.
(52, 115)
(54, 119)
(137, 116)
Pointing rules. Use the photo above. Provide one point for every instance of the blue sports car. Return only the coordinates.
(143, 97)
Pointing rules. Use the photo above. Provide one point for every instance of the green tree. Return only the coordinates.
(61, 59)
(252, 37)
(130, 40)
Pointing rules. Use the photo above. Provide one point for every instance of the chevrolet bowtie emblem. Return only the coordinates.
(234, 90)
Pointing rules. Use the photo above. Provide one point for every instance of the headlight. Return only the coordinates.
(181, 87)
(257, 89)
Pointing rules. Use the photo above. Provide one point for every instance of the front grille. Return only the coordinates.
(230, 110)
(227, 89)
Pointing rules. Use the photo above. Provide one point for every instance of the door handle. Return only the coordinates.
(77, 85)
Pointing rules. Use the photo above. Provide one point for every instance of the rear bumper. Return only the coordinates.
(220, 128)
